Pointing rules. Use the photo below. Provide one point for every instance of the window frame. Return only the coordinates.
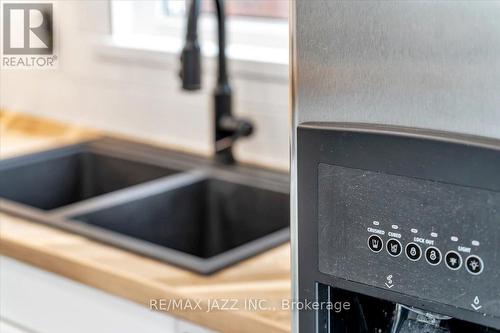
(142, 24)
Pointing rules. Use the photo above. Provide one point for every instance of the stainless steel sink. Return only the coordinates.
(177, 208)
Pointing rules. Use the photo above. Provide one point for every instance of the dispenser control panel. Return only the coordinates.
(402, 215)
(429, 239)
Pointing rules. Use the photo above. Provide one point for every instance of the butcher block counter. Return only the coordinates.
(242, 298)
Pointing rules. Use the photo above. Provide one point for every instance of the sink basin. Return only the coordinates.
(49, 181)
(204, 219)
(173, 207)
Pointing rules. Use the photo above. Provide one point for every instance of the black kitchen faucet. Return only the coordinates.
(227, 127)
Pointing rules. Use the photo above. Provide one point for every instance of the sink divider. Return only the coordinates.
(131, 193)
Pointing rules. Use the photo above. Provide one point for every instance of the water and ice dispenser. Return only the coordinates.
(403, 225)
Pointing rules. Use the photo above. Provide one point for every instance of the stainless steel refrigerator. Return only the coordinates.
(396, 165)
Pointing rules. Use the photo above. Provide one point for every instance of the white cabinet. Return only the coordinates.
(186, 327)
(8, 327)
(39, 301)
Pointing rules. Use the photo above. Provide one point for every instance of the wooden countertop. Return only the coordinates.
(264, 277)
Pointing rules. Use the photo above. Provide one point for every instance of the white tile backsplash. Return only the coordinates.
(143, 98)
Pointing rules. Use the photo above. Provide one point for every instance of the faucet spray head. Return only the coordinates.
(190, 72)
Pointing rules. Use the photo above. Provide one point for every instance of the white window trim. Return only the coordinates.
(151, 38)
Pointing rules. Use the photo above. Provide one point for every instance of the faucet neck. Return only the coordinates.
(227, 128)
(192, 35)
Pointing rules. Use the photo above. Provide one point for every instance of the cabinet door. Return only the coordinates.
(44, 302)
(186, 327)
(8, 327)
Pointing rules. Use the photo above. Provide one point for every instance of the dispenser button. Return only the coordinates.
(394, 247)
(433, 255)
(474, 265)
(413, 251)
(453, 260)
(375, 243)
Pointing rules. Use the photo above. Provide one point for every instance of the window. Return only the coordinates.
(277, 9)
(257, 29)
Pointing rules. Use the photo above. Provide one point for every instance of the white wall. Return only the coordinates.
(140, 95)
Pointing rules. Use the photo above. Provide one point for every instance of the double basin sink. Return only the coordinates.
(174, 207)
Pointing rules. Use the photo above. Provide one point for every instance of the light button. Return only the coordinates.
(474, 265)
